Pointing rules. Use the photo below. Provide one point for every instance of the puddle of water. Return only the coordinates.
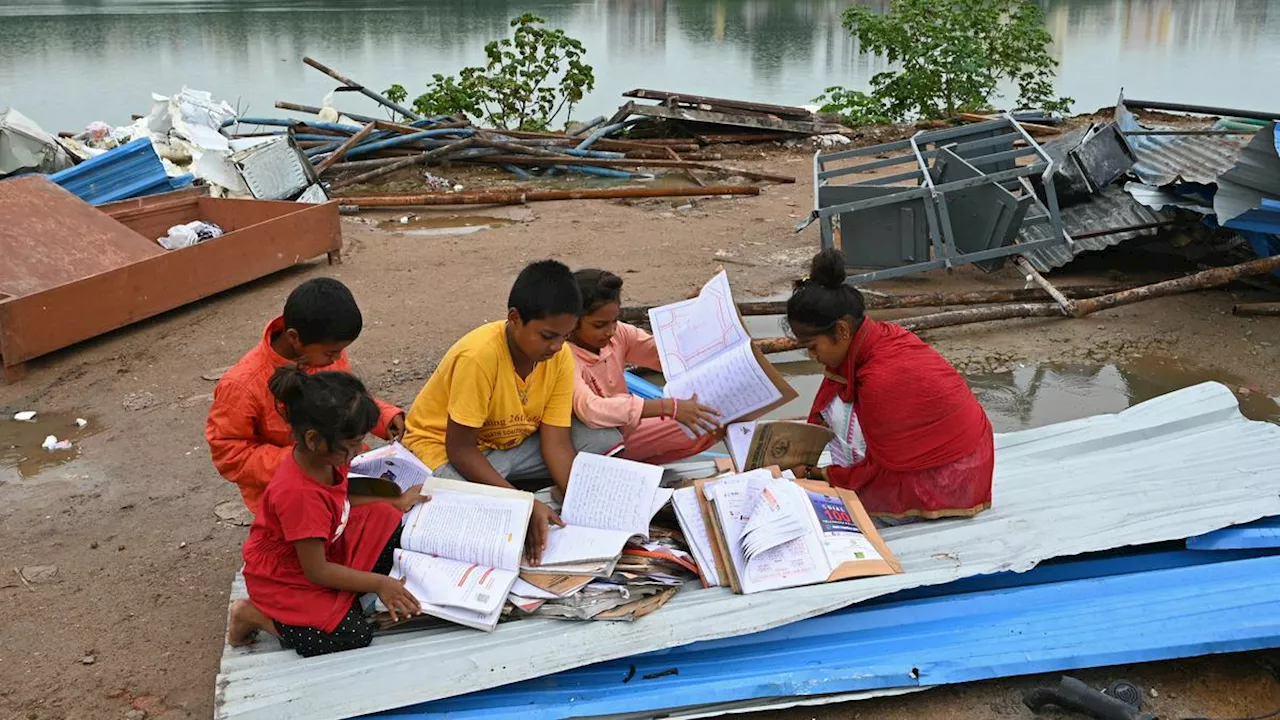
(20, 442)
(1034, 395)
(444, 224)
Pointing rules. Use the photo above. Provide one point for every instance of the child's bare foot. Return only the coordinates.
(244, 623)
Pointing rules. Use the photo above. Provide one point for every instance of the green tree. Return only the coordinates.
(529, 79)
(952, 56)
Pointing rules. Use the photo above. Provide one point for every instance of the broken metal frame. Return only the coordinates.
(942, 237)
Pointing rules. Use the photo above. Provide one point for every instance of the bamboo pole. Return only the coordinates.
(422, 159)
(637, 314)
(338, 154)
(380, 99)
(1068, 307)
(517, 197)
(1215, 277)
(1266, 308)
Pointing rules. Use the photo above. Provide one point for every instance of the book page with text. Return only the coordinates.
(469, 527)
(692, 332)
(611, 494)
(579, 543)
(689, 513)
(733, 384)
(392, 462)
(449, 583)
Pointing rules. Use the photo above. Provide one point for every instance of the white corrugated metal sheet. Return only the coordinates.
(1180, 465)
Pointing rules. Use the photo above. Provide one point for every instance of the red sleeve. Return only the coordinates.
(302, 515)
(238, 454)
(386, 413)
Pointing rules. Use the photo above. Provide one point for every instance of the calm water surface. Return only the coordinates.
(68, 62)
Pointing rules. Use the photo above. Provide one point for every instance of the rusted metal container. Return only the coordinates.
(71, 272)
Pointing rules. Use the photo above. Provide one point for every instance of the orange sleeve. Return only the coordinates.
(386, 413)
(238, 454)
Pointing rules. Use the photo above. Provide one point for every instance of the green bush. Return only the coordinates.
(952, 56)
(529, 79)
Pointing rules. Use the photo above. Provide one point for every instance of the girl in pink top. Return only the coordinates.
(653, 430)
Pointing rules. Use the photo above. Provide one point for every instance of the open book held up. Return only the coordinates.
(706, 351)
(387, 471)
(785, 443)
(766, 532)
(460, 553)
(609, 501)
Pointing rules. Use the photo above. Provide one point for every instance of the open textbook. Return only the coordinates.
(769, 532)
(386, 471)
(756, 444)
(460, 553)
(706, 351)
(609, 501)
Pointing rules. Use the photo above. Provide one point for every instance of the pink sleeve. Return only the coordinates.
(638, 347)
(620, 411)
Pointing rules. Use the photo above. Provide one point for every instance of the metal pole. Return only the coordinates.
(1200, 109)
(380, 99)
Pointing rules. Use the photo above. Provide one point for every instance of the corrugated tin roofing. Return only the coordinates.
(131, 170)
(1250, 191)
(1264, 533)
(1043, 627)
(1168, 159)
(1180, 465)
(1112, 208)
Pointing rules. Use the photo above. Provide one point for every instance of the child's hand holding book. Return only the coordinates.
(409, 498)
(399, 602)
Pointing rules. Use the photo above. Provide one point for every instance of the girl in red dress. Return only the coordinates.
(312, 550)
(911, 439)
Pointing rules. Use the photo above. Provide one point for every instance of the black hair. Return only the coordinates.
(599, 288)
(334, 404)
(822, 299)
(322, 310)
(543, 289)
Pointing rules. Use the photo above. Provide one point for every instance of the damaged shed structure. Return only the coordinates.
(72, 271)
(1082, 561)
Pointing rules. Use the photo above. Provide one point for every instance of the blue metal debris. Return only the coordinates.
(1264, 533)
(129, 171)
(1088, 622)
(637, 385)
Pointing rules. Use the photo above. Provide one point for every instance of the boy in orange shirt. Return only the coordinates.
(499, 407)
(247, 435)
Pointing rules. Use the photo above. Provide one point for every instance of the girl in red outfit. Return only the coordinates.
(911, 439)
(312, 550)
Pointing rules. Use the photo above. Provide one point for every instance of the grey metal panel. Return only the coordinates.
(886, 236)
(1166, 159)
(1112, 208)
(981, 216)
(1256, 175)
(273, 170)
(1180, 465)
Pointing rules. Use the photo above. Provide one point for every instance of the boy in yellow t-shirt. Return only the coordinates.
(499, 407)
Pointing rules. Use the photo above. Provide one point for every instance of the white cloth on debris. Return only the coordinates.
(193, 233)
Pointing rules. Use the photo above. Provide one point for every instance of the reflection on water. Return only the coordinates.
(68, 62)
(21, 454)
(1041, 394)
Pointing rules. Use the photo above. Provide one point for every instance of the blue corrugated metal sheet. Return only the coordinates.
(1264, 533)
(1139, 617)
(640, 387)
(129, 171)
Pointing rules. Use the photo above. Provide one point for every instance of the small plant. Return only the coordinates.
(853, 106)
(952, 56)
(529, 79)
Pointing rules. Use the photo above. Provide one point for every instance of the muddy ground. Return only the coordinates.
(132, 622)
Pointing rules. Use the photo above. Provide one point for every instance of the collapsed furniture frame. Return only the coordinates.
(969, 213)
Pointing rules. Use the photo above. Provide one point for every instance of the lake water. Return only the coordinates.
(68, 62)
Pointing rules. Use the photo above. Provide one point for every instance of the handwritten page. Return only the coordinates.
(734, 384)
(486, 529)
(579, 543)
(694, 527)
(798, 562)
(392, 462)
(780, 514)
(691, 332)
(611, 494)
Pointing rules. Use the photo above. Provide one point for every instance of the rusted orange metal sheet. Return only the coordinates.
(49, 237)
(261, 237)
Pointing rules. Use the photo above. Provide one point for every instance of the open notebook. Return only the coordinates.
(609, 501)
(705, 350)
(769, 532)
(460, 553)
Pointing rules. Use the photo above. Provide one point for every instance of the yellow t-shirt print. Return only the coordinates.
(476, 385)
